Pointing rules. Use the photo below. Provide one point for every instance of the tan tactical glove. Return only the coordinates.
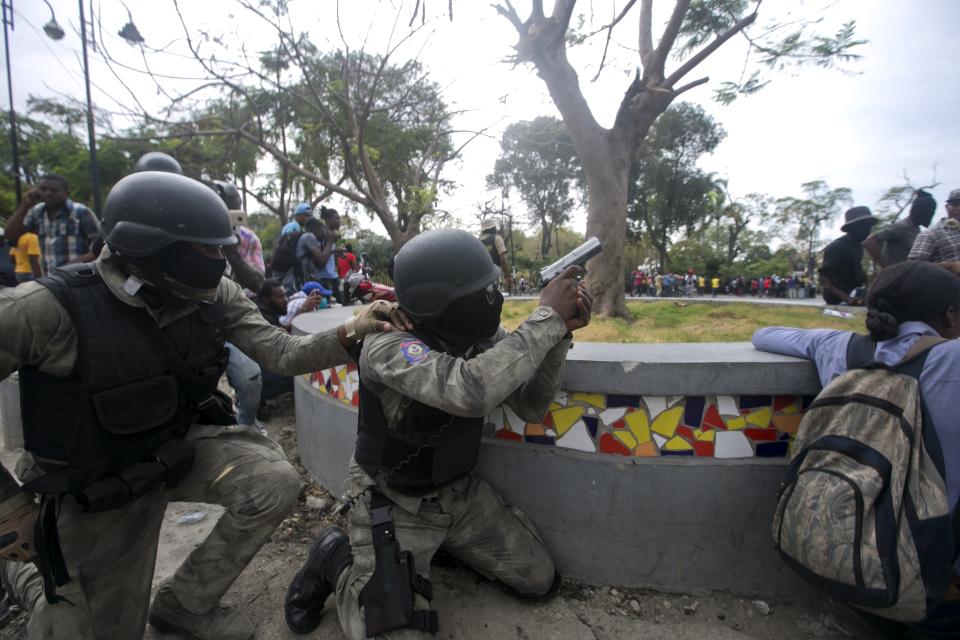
(376, 317)
(18, 515)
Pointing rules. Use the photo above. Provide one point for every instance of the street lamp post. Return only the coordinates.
(91, 139)
(129, 33)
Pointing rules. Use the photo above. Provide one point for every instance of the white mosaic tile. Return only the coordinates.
(727, 406)
(516, 424)
(609, 416)
(578, 438)
(656, 405)
(495, 417)
(660, 440)
(732, 444)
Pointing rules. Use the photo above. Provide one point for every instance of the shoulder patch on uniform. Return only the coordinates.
(414, 351)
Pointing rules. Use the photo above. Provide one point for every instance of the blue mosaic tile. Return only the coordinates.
(592, 424)
(540, 439)
(615, 400)
(772, 449)
(754, 402)
(693, 411)
(664, 452)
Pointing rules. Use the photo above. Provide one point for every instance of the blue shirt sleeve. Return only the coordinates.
(89, 226)
(30, 220)
(827, 348)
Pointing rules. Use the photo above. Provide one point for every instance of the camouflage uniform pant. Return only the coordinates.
(467, 519)
(111, 555)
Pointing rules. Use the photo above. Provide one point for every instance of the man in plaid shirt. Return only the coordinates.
(66, 229)
(941, 243)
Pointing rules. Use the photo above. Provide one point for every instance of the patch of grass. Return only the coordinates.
(696, 322)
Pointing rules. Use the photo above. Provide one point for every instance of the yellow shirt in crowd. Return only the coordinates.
(28, 245)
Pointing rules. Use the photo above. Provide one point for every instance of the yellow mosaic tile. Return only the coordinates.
(676, 443)
(645, 450)
(666, 423)
(638, 425)
(736, 424)
(554, 406)
(760, 418)
(705, 436)
(565, 418)
(790, 409)
(626, 438)
(598, 400)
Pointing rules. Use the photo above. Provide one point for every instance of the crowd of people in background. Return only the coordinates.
(677, 285)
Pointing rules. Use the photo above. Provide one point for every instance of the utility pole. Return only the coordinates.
(91, 138)
(14, 137)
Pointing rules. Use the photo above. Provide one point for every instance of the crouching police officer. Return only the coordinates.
(423, 396)
(119, 362)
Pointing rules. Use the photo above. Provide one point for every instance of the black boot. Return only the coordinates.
(329, 555)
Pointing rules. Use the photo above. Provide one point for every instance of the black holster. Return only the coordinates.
(388, 599)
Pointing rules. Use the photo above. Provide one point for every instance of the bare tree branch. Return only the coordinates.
(705, 52)
(654, 72)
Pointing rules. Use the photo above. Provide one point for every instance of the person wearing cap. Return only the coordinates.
(941, 242)
(892, 245)
(497, 249)
(841, 274)
(301, 213)
(423, 398)
(119, 362)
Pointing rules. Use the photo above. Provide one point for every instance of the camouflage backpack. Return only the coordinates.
(862, 513)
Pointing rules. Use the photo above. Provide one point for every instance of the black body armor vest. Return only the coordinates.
(428, 449)
(121, 410)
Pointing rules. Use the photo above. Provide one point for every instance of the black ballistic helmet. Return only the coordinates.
(157, 161)
(147, 211)
(437, 267)
(228, 193)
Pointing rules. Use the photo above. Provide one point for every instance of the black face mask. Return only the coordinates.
(188, 266)
(475, 316)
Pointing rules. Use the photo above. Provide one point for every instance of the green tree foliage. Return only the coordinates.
(537, 161)
(340, 121)
(667, 191)
(803, 218)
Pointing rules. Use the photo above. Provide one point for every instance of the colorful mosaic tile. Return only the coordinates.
(633, 425)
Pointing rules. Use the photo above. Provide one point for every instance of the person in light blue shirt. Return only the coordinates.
(906, 301)
(301, 213)
(316, 247)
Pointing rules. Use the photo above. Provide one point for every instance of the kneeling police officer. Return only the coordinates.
(119, 362)
(423, 396)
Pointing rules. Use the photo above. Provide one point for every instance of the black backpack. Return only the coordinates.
(285, 253)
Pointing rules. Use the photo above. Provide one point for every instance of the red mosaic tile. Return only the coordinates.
(768, 435)
(703, 449)
(619, 424)
(506, 434)
(686, 432)
(712, 419)
(548, 420)
(355, 401)
(782, 402)
(609, 444)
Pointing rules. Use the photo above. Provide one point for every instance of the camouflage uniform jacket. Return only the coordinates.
(522, 370)
(37, 332)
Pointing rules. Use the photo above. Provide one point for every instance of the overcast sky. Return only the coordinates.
(896, 112)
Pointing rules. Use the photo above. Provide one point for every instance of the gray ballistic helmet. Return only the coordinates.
(228, 193)
(437, 267)
(147, 211)
(157, 161)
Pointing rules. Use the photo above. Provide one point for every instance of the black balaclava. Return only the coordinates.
(468, 320)
(181, 273)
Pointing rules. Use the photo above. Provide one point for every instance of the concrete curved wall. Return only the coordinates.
(657, 466)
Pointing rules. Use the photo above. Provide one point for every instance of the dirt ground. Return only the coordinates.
(473, 608)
